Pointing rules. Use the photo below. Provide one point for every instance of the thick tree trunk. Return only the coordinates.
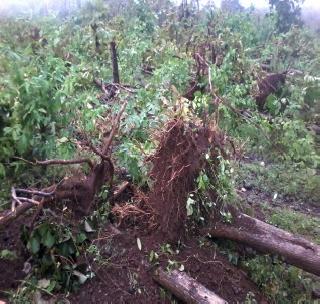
(114, 59)
(266, 238)
(186, 288)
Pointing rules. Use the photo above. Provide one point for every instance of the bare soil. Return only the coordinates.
(126, 274)
(11, 271)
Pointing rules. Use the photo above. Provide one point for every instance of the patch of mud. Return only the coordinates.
(124, 274)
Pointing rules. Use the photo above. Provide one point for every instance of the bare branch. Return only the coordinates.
(36, 192)
(114, 129)
(97, 151)
(58, 162)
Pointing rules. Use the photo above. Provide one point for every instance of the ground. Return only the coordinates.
(123, 271)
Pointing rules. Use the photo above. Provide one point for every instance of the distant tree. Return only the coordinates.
(231, 6)
(288, 13)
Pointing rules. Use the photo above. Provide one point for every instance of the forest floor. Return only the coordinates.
(123, 268)
(123, 272)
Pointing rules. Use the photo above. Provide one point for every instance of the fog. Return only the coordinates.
(315, 4)
(311, 8)
(6, 4)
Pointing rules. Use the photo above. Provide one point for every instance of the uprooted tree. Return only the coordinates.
(185, 148)
(182, 153)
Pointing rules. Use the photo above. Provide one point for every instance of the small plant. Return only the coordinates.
(279, 282)
(54, 249)
(6, 254)
(226, 216)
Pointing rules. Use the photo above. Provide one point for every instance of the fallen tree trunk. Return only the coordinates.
(266, 238)
(185, 288)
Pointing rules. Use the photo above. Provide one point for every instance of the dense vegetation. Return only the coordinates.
(174, 61)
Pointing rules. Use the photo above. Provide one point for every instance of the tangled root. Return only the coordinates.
(138, 213)
(176, 164)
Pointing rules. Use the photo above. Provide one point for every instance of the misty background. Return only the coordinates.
(310, 8)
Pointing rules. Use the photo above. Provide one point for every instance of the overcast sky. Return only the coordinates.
(264, 3)
(258, 3)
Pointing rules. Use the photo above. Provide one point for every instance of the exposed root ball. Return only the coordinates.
(267, 86)
(176, 164)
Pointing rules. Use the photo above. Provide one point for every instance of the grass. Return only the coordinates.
(289, 181)
(295, 222)
(280, 282)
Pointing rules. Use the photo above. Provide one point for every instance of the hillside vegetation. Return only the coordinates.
(140, 139)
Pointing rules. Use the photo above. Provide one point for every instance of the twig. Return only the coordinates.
(19, 200)
(203, 61)
(97, 151)
(29, 200)
(14, 200)
(57, 162)
(120, 190)
(36, 192)
(114, 129)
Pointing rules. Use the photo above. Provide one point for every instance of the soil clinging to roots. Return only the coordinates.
(176, 164)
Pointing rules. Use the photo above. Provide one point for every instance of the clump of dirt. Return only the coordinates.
(11, 269)
(269, 85)
(176, 164)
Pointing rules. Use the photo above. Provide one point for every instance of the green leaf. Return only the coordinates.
(6, 254)
(42, 111)
(81, 237)
(62, 140)
(34, 245)
(49, 239)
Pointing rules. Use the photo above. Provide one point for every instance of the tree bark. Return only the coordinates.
(266, 238)
(7, 217)
(114, 59)
(185, 288)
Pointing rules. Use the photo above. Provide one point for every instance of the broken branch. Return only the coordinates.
(186, 288)
(57, 162)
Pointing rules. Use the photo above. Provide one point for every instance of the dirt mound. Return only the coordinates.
(176, 164)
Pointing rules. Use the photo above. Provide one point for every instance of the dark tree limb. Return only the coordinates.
(80, 189)
(114, 59)
(266, 238)
(186, 288)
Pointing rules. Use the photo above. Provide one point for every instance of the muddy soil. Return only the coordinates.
(125, 272)
(11, 270)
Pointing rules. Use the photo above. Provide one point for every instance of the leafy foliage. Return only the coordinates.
(48, 101)
(288, 13)
(55, 249)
